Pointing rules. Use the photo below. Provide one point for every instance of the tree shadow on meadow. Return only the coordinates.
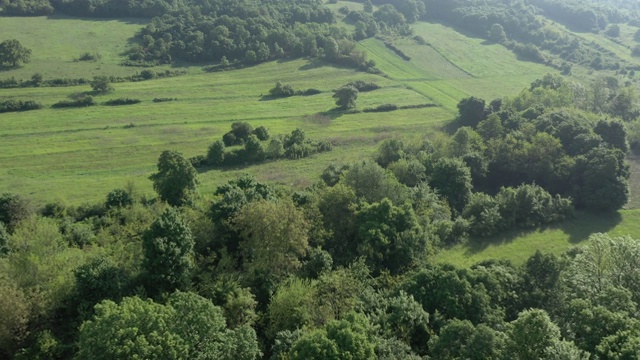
(579, 229)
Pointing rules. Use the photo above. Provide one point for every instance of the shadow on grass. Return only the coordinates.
(82, 94)
(332, 114)
(313, 64)
(133, 21)
(579, 229)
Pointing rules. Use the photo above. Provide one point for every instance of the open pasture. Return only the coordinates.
(57, 41)
(519, 246)
(80, 154)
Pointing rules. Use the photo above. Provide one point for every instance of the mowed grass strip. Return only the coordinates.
(391, 64)
(476, 56)
(519, 246)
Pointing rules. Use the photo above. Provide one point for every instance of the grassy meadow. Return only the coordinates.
(57, 41)
(78, 155)
(519, 246)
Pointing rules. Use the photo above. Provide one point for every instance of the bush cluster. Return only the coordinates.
(82, 102)
(122, 101)
(18, 105)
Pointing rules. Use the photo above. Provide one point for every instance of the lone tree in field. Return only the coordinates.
(12, 52)
(346, 97)
(176, 178)
(101, 84)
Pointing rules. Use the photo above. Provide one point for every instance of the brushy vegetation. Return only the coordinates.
(81, 102)
(122, 101)
(18, 105)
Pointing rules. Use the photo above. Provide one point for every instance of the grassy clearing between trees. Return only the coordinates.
(56, 41)
(519, 246)
(453, 66)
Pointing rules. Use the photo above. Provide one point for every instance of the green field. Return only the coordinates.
(519, 246)
(56, 41)
(453, 66)
(78, 155)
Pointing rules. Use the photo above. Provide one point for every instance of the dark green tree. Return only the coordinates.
(168, 253)
(600, 180)
(452, 179)
(12, 52)
(215, 154)
(101, 84)
(346, 97)
(187, 327)
(389, 237)
(118, 198)
(613, 133)
(497, 34)
(176, 178)
(13, 209)
(471, 111)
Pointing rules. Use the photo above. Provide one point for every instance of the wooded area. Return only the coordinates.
(342, 269)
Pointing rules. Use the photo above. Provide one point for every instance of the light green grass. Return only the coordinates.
(476, 56)
(81, 154)
(518, 247)
(55, 42)
(454, 66)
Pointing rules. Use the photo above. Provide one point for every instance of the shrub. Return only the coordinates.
(382, 108)
(262, 133)
(308, 92)
(82, 102)
(89, 57)
(364, 86)
(198, 161)
(18, 105)
(122, 101)
(282, 90)
(118, 198)
(157, 100)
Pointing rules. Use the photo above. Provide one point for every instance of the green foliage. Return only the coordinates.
(471, 111)
(13, 209)
(18, 105)
(532, 334)
(12, 52)
(389, 237)
(341, 339)
(168, 253)
(215, 154)
(99, 279)
(176, 179)
(391, 150)
(373, 183)
(497, 34)
(282, 90)
(600, 180)
(275, 236)
(346, 97)
(81, 102)
(188, 326)
(118, 198)
(452, 179)
(101, 84)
